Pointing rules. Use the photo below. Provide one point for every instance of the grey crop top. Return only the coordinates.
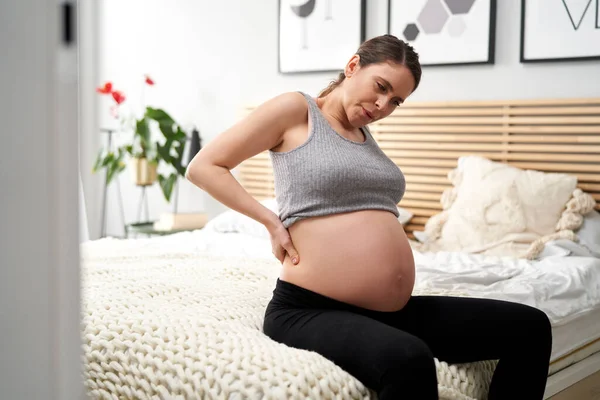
(331, 174)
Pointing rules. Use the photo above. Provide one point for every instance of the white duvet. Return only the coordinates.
(181, 314)
(562, 285)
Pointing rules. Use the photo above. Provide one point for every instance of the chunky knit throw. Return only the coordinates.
(160, 324)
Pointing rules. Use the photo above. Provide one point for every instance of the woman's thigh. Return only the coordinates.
(369, 350)
(459, 329)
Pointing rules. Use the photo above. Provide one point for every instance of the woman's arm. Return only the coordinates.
(263, 129)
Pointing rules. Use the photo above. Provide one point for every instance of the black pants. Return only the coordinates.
(392, 352)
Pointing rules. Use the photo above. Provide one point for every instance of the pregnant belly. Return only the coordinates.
(362, 258)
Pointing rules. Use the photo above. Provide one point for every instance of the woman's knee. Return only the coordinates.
(410, 361)
(531, 329)
(534, 320)
(540, 326)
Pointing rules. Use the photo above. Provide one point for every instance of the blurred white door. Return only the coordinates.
(39, 235)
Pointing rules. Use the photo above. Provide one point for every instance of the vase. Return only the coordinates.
(143, 172)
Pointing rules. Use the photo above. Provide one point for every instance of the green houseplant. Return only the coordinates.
(145, 154)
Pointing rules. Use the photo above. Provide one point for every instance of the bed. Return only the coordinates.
(180, 316)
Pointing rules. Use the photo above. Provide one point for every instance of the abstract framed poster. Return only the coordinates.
(319, 36)
(446, 32)
(560, 30)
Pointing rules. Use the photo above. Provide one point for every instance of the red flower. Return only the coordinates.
(118, 96)
(106, 89)
(149, 80)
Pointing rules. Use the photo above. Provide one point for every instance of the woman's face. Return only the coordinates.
(373, 92)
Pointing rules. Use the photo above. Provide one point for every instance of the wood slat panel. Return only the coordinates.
(470, 111)
(413, 227)
(590, 187)
(257, 184)
(427, 187)
(425, 179)
(561, 167)
(549, 130)
(258, 162)
(426, 139)
(424, 212)
(249, 169)
(408, 203)
(491, 120)
(422, 161)
(457, 112)
(418, 170)
(453, 156)
(422, 196)
(262, 192)
(263, 179)
(505, 103)
(469, 147)
(419, 137)
(418, 220)
(446, 120)
(585, 110)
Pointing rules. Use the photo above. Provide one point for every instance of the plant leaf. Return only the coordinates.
(98, 163)
(163, 152)
(172, 150)
(159, 115)
(178, 158)
(180, 135)
(143, 131)
(110, 173)
(115, 165)
(166, 184)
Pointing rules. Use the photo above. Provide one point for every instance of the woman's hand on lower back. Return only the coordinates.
(281, 242)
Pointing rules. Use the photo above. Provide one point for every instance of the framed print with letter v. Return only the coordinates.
(560, 30)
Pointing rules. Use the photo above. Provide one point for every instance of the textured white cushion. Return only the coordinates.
(497, 206)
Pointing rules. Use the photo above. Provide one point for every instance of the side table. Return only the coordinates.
(147, 228)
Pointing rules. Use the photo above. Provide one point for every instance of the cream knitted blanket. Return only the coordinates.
(179, 325)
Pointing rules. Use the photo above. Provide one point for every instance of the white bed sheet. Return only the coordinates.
(566, 288)
(575, 341)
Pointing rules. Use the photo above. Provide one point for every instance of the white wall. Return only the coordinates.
(211, 58)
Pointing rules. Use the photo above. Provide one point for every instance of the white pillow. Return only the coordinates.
(405, 216)
(589, 233)
(232, 221)
(495, 205)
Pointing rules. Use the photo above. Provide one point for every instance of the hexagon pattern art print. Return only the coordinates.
(446, 32)
(319, 35)
(560, 30)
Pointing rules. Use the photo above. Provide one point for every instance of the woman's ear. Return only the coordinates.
(352, 66)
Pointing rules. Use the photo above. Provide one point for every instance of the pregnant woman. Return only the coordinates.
(345, 288)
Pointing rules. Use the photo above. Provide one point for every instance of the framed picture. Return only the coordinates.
(319, 36)
(560, 30)
(446, 32)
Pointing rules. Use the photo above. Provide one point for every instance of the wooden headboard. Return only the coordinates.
(425, 140)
